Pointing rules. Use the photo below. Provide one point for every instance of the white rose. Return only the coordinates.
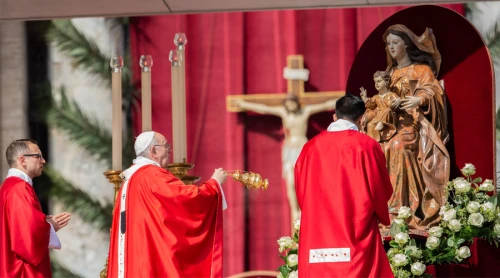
(285, 243)
(436, 231)
(455, 225)
(449, 215)
(292, 260)
(476, 219)
(413, 252)
(432, 242)
(293, 274)
(399, 221)
(401, 238)
(488, 207)
(404, 212)
(463, 252)
(296, 225)
(473, 207)
(496, 230)
(400, 259)
(442, 210)
(280, 275)
(391, 252)
(468, 170)
(418, 268)
(461, 185)
(487, 186)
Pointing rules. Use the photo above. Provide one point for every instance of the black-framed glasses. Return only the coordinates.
(37, 155)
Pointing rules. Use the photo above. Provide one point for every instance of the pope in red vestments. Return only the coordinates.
(343, 187)
(25, 232)
(162, 227)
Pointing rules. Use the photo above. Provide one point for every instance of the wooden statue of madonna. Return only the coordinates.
(417, 159)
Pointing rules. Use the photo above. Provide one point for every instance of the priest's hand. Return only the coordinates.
(219, 175)
(59, 221)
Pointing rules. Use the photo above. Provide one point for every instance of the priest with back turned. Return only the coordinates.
(343, 187)
(161, 226)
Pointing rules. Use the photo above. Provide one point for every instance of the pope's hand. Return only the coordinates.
(220, 175)
(59, 221)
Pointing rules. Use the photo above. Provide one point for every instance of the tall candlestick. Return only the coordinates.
(177, 142)
(180, 41)
(146, 63)
(116, 64)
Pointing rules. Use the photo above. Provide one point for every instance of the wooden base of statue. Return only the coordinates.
(180, 170)
(114, 178)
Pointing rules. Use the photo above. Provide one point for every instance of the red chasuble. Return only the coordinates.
(171, 229)
(24, 239)
(342, 188)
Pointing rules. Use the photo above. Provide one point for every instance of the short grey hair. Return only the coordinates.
(16, 149)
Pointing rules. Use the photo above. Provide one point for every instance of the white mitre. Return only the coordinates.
(143, 141)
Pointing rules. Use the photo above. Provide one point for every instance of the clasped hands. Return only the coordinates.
(59, 221)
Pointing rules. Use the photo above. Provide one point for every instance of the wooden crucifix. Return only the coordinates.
(294, 109)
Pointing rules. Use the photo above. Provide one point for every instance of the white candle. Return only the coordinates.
(146, 63)
(176, 106)
(180, 41)
(116, 64)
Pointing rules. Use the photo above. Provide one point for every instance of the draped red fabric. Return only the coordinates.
(244, 53)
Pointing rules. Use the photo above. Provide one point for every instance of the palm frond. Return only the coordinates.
(82, 50)
(471, 7)
(77, 201)
(85, 131)
(492, 38)
(59, 271)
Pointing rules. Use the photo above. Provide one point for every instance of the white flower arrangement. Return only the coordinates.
(471, 212)
(290, 247)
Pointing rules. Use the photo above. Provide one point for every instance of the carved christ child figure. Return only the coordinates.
(295, 119)
(380, 116)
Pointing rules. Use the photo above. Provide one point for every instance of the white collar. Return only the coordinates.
(138, 163)
(13, 172)
(144, 160)
(340, 125)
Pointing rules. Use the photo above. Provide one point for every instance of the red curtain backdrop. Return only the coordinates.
(244, 53)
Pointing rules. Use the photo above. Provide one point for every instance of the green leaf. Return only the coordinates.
(477, 180)
(393, 244)
(285, 271)
(493, 199)
(450, 242)
(395, 229)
